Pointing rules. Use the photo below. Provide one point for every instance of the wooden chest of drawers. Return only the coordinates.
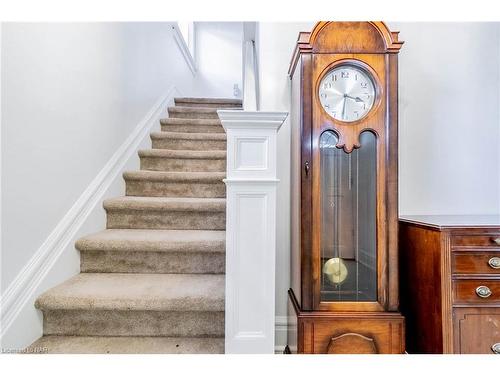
(450, 283)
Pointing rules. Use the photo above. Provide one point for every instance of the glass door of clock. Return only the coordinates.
(348, 220)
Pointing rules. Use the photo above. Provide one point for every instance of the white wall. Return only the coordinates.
(449, 118)
(219, 56)
(71, 95)
(449, 121)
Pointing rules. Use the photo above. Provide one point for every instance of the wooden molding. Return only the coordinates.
(446, 293)
(349, 42)
(301, 47)
(346, 41)
(351, 343)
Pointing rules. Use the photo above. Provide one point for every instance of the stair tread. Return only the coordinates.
(174, 176)
(209, 100)
(154, 240)
(129, 345)
(200, 110)
(190, 136)
(126, 291)
(183, 154)
(165, 203)
(190, 121)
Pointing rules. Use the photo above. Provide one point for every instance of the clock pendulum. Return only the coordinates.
(335, 270)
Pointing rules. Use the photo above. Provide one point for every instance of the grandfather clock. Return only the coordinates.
(344, 118)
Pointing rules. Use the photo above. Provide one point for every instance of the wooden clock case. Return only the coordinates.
(316, 326)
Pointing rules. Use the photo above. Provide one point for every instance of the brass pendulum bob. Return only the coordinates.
(335, 270)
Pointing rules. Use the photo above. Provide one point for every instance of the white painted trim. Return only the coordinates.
(250, 67)
(29, 278)
(251, 144)
(1, 175)
(279, 349)
(269, 181)
(192, 41)
(250, 229)
(183, 47)
(259, 119)
(281, 329)
(250, 239)
(281, 321)
(250, 92)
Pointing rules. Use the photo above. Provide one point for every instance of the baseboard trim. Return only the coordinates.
(279, 349)
(281, 330)
(281, 321)
(21, 289)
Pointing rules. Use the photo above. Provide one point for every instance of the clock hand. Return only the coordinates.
(343, 107)
(357, 98)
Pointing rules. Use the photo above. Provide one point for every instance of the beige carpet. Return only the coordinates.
(153, 280)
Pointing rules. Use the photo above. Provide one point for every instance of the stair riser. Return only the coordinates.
(187, 144)
(128, 345)
(194, 114)
(152, 262)
(193, 128)
(132, 219)
(182, 165)
(175, 189)
(133, 323)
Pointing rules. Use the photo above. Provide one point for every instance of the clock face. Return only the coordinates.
(347, 93)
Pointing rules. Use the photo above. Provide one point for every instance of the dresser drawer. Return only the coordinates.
(489, 240)
(477, 291)
(476, 330)
(476, 262)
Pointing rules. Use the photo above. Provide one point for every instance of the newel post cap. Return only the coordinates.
(233, 119)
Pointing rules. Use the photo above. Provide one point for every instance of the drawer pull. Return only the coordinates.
(483, 291)
(496, 240)
(495, 348)
(494, 262)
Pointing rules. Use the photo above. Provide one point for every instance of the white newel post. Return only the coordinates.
(250, 229)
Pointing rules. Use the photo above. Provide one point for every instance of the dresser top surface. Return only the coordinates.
(453, 221)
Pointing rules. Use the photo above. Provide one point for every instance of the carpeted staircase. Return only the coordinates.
(153, 281)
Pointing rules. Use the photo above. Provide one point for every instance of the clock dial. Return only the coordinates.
(347, 93)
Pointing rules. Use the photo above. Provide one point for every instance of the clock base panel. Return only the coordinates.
(326, 332)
